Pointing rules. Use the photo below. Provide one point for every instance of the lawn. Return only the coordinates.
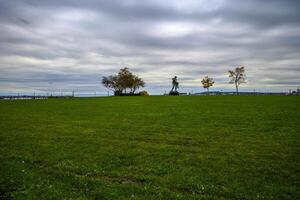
(193, 147)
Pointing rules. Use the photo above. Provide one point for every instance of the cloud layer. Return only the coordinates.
(69, 45)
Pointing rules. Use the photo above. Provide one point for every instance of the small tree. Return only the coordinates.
(207, 83)
(123, 80)
(238, 77)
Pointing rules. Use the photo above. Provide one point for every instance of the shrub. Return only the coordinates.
(144, 93)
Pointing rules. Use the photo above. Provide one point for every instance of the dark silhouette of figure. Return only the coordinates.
(175, 84)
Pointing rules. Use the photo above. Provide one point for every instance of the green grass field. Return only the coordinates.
(208, 147)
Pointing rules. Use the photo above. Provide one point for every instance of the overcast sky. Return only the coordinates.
(70, 44)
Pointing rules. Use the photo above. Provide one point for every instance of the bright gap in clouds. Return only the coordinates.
(171, 29)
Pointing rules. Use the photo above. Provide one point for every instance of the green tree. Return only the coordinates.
(125, 78)
(112, 83)
(122, 81)
(135, 84)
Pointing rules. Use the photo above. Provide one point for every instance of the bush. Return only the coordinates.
(174, 93)
(144, 93)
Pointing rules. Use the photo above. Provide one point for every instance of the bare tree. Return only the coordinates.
(207, 83)
(237, 77)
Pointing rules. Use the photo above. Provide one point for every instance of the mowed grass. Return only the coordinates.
(208, 147)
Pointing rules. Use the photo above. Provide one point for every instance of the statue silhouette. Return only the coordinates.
(175, 84)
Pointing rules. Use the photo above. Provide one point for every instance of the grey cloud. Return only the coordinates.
(76, 42)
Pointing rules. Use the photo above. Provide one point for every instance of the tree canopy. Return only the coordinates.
(122, 81)
(207, 82)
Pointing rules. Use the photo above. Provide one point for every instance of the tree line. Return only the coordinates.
(126, 83)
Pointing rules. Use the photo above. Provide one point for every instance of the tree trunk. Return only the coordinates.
(208, 91)
(237, 89)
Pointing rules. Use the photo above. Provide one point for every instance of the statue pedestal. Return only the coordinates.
(174, 93)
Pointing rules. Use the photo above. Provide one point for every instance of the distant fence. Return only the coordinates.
(49, 95)
(32, 97)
